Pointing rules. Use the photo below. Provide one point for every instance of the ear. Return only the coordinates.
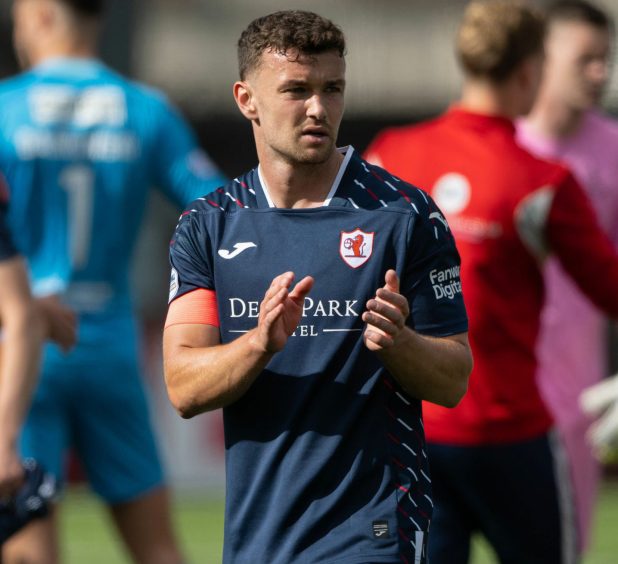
(243, 95)
(530, 71)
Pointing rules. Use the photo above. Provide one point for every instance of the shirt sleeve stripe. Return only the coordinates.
(198, 306)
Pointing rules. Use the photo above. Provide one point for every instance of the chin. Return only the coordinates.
(315, 158)
(318, 155)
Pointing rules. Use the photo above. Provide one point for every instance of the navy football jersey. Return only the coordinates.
(325, 453)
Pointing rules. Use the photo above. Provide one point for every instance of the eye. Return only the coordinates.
(294, 90)
(334, 88)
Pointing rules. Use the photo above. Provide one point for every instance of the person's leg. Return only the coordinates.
(115, 442)
(527, 516)
(37, 543)
(452, 523)
(146, 528)
(44, 437)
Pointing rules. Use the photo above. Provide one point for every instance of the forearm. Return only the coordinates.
(200, 379)
(19, 366)
(430, 368)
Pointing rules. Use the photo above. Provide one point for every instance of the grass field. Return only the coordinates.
(88, 537)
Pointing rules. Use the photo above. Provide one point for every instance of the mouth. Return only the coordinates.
(316, 134)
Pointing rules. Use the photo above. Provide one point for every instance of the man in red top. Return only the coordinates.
(495, 462)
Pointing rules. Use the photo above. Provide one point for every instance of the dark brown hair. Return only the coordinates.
(581, 12)
(92, 8)
(495, 36)
(290, 32)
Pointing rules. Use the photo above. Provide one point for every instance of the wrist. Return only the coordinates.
(8, 442)
(258, 346)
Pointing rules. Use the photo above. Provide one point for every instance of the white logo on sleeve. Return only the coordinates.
(239, 248)
(445, 283)
(173, 284)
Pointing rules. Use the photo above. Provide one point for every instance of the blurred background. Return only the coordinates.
(401, 69)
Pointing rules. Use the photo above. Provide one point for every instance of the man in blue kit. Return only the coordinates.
(317, 300)
(83, 147)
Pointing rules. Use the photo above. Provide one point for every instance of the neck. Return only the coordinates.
(553, 119)
(295, 185)
(485, 97)
(62, 49)
(67, 38)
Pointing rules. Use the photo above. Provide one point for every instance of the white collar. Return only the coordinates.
(347, 151)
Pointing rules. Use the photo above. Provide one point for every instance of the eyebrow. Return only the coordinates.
(296, 82)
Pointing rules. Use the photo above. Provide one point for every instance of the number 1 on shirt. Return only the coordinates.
(78, 182)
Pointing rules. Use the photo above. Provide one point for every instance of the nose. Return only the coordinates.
(316, 108)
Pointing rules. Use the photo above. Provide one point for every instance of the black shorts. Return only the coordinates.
(516, 495)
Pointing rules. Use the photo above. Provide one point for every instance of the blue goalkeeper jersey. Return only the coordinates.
(325, 453)
(83, 146)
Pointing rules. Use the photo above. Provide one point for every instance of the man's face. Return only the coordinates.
(577, 66)
(299, 104)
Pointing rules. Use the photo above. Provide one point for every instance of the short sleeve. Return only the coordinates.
(431, 281)
(183, 171)
(190, 258)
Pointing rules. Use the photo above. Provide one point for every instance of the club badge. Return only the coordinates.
(356, 247)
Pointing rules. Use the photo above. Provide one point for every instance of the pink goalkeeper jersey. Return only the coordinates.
(572, 342)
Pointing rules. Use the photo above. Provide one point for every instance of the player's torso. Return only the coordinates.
(346, 251)
(323, 394)
(311, 446)
(77, 146)
(593, 158)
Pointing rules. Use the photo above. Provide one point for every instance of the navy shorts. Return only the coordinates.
(516, 495)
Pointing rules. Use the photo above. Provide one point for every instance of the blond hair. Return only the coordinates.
(495, 36)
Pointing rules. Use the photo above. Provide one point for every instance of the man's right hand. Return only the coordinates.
(60, 321)
(280, 312)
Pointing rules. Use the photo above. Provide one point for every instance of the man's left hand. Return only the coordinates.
(386, 315)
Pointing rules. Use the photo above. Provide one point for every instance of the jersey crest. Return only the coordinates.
(356, 247)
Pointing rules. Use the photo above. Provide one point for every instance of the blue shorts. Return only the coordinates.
(93, 401)
(516, 495)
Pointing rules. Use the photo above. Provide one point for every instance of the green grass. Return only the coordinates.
(88, 536)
